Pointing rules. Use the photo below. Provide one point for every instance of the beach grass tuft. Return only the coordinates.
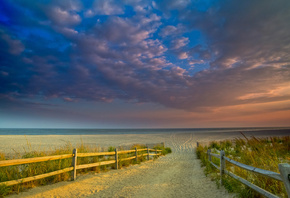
(264, 153)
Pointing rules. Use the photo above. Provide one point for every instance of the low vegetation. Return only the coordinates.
(264, 153)
(27, 170)
(165, 150)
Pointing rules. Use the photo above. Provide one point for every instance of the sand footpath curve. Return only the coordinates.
(176, 175)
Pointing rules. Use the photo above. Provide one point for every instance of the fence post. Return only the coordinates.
(74, 164)
(156, 152)
(197, 144)
(209, 156)
(223, 164)
(285, 174)
(163, 144)
(147, 153)
(116, 158)
(136, 154)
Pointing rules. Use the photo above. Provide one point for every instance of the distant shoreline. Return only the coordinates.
(35, 131)
(285, 132)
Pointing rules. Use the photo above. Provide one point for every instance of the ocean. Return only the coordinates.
(35, 131)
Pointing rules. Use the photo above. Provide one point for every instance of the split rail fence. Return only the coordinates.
(75, 155)
(284, 175)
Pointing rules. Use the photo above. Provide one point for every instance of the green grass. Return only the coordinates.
(264, 153)
(165, 150)
(27, 170)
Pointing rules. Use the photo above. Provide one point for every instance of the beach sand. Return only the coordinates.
(175, 175)
(12, 144)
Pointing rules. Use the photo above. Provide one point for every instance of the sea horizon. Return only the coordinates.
(107, 131)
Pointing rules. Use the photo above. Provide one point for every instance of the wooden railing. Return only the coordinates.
(75, 155)
(284, 175)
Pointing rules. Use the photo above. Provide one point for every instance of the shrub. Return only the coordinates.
(258, 152)
(111, 149)
(4, 190)
(167, 150)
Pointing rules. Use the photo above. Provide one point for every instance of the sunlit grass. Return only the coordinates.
(264, 153)
(27, 170)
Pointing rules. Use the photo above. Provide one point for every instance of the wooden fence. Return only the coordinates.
(75, 155)
(284, 175)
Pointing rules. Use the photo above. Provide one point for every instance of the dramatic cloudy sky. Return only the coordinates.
(141, 63)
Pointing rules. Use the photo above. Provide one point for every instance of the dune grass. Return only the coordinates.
(264, 153)
(27, 170)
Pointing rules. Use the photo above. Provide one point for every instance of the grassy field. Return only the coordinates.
(264, 153)
(27, 170)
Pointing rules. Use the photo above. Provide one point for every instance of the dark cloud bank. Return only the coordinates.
(105, 50)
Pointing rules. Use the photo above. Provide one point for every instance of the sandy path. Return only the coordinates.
(176, 175)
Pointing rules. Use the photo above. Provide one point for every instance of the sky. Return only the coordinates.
(144, 64)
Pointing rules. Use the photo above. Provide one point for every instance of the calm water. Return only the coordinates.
(122, 131)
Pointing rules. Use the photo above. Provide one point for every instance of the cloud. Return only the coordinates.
(193, 62)
(139, 9)
(107, 7)
(171, 30)
(168, 5)
(15, 46)
(63, 17)
(89, 13)
(201, 52)
(255, 33)
(183, 55)
(180, 42)
(80, 55)
(117, 29)
(63, 13)
(68, 99)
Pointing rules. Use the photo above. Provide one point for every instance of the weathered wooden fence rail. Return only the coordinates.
(75, 155)
(284, 175)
